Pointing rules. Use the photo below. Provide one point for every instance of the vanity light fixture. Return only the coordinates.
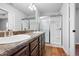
(32, 7)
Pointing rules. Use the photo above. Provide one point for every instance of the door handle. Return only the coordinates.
(73, 30)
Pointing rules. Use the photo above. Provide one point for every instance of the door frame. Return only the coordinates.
(72, 27)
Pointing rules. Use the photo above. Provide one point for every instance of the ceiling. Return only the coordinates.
(43, 8)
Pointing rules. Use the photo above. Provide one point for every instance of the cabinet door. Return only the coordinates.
(42, 45)
(23, 52)
(33, 44)
(35, 52)
(42, 41)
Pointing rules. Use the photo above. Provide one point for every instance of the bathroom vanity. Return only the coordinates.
(34, 46)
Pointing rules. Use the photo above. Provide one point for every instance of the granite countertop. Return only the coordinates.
(6, 49)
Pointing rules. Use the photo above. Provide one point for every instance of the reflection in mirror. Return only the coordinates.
(25, 24)
(3, 20)
(29, 24)
(32, 22)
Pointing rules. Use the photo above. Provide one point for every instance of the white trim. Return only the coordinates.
(72, 27)
(66, 51)
(76, 43)
(56, 45)
(53, 45)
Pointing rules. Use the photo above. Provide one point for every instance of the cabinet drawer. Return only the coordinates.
(33, 44)
(23, 52)
(35, 52)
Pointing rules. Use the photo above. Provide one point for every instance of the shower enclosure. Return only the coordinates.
(53, 29)
(51, 26)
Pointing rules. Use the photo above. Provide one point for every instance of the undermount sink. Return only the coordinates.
(13, 39)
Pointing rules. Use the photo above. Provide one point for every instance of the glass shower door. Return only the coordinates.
(55, 30)
(44, 26)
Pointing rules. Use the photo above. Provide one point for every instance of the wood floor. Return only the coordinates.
(54, 51)
(77, 49)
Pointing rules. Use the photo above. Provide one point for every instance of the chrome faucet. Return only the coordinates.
(10, 32)
(5, 34)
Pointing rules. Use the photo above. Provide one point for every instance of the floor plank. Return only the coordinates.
(54, 51)
(77, 49)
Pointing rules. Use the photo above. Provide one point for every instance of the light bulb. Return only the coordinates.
(32, 7)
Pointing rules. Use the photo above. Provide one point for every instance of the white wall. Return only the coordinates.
(77, 26)
(14, 16)
(65, 14)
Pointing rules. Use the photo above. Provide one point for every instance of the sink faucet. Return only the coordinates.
(5, 34)
(10, 32)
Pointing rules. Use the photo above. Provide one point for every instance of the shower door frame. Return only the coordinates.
(61, 29)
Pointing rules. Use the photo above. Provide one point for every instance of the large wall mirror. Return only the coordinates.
(3, 20)
(29, 24)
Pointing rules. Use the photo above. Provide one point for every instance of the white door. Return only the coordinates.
(55, 30)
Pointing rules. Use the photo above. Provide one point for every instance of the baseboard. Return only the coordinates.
(54, 45)
(66, 52)
(47, 44)
(76, 43)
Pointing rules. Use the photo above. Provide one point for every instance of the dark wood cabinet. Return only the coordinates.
(23, 52)
(35, 52)
(33, 44)
(41, 45)
(35, 47)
